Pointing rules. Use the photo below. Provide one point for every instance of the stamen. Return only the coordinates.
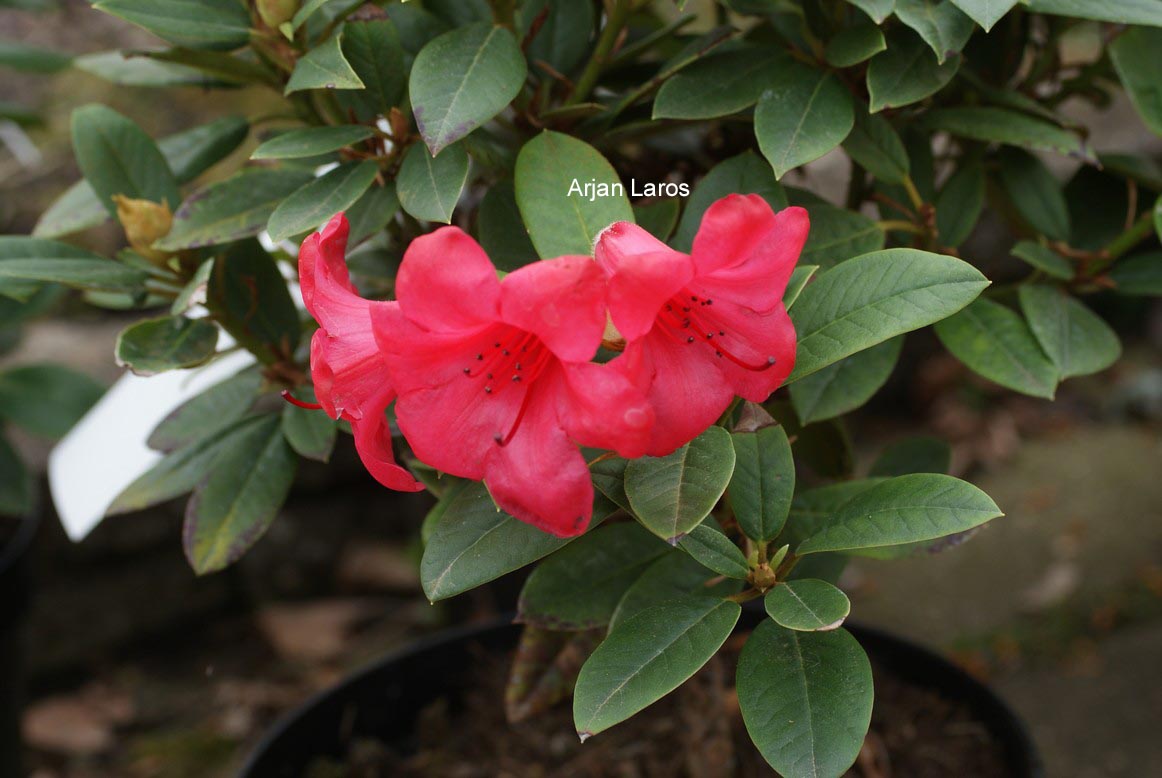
(673, 323)
(290, 398)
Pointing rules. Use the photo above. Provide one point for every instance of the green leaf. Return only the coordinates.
(216, 68)
(744, 174)
(853, 45)
(1036, 193)
(500, 229)
(311, 141)
(181, 470)
(324, 67)
(806, 699)
(673, 576)
(763, 481)
(194, 151)
(462, 79)
(372, 212)
(800, 276)
(222, 405)
(316, 202)
(31, 59)
(117, 157)
(311, 433)
(562, 39)
(1001, 125)
(37, 259)
(551, 173)
(996, 343)
(943, 26)
(845, 385)
(15, 483)
(414, 25)
(715, 551)
(1137, 56)
(1139, 275)
(167, 343)
(579, 586)
(869, 299)
(658, 218)
(226, 211)
(1122, 12)
(811, 510)
(647, 657)
(429, 187)
(878, 10)
(807, 605)
(1044, 259)
(719, 85)
(609, 479)
(802, 114)
(306, 11)
(196, 24)
(78, 208)
(959, 204)
(838, 234)
(127, 68)
(671, 495)
(374, 51)
(1074, 337)
(248, 296)
(922, 454)
(46, 400)
(474, 542)
(905, 509)
(234, 506)
(986, 13)
(874, 144)
(906, 73)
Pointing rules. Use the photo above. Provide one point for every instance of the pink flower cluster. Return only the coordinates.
(493, 379)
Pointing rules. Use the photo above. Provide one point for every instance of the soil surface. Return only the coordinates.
(696, 732)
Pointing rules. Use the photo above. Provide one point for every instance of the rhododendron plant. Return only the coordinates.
(593, 292)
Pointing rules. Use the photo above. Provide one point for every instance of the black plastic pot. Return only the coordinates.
(381, 701)
(14, 595)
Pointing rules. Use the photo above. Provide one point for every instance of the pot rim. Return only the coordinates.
(979, 696)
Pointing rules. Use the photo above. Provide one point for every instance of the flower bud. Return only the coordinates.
(144, 222)
(276, 12)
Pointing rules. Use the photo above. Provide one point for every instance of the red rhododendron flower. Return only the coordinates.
(349, 373)
(704, 327)
(495, 380)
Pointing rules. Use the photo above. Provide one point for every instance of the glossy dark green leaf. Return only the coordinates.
(78, 208)
(838, 234)
(562, 39)
(806, 699)
(658, 218)
(192, 152)
(763, 481)
(1138, 275)
(551, 173)
(311, 141)
(921, 454)
(671, 495)
(802, 115)
(878, 10)
(1076, 339)
(996, 343)
(904, 509)
(249, 297)
(715, 551)
(800, 277)
(167, 343)
(807, 605)
(222, 405)
(415, 26)
(232, 509)
(125, 68)
(869, 299)
(118, 158)
(229, 210)
(1122, 11)
(959, 204)
(745, 174)
(372, 48)
(44, 399)
(311, 433)
(853, 45)
(324, 67)
(580, 586)
(1044, 259)
(943, 26)
(37, 259)
(1137, 56)
(647, 657)
(217, 68)
(719, 85)
(313, 205)
(462, 79)
(198, 24)
(875, 145)
(372, 212)
(673, 576)
(1035, 193)
(1001, 125)
(906, 73)
(429, 187)
(813, 509)
(986, 13)
(501, 231)
(846, 384)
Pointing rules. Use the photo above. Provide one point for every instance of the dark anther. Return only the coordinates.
(479, 357)
(690, 339)
(488, 390)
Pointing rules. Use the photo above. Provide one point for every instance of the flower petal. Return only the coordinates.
(687, 389)
(561, 301)
(446, 282)
(540, 476)
(373, 442)
(643, 274)
(752, 338)
(601, 407)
